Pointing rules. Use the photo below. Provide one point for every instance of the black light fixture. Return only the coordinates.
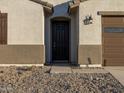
(88, 20)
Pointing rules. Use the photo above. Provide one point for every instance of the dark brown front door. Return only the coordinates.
(60, 41)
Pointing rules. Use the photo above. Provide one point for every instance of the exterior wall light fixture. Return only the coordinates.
(88, 20)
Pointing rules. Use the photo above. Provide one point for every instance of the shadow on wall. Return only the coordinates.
(61, 10)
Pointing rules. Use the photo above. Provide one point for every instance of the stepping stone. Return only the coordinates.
(61, 69)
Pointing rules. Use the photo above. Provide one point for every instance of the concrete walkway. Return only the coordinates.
(70, 69)
(89, 70)
(117, 72)
(61, 69)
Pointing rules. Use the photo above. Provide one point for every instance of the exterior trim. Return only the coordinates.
(111, 13)
(43, 3)
(73, 6)
(83, 0)
(48, 7)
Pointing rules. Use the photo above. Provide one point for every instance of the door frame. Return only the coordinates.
(61, 19)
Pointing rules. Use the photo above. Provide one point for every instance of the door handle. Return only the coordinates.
(54, 44)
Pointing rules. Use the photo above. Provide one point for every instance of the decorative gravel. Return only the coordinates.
(40, 80)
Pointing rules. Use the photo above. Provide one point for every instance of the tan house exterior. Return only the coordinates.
(93, 32)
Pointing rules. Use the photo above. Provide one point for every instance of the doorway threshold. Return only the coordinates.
(61, 64)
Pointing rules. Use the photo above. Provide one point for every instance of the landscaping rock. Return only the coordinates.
(40, 80)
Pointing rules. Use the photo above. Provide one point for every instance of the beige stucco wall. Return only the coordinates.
(92, 34)
(25, 21)
(26, 27)
(26, 18)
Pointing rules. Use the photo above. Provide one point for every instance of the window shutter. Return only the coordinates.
(3, 28)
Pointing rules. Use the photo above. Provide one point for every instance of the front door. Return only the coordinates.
(60, 41)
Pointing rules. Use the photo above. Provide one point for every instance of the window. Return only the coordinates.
(114, 29)
(3, 28)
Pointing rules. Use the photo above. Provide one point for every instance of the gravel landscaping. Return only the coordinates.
(40, 80)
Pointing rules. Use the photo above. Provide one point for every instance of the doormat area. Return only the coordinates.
(40, 80)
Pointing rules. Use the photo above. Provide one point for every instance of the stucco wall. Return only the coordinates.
(26, 27)
(92, 34)
(22, 54)
(25, 21)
